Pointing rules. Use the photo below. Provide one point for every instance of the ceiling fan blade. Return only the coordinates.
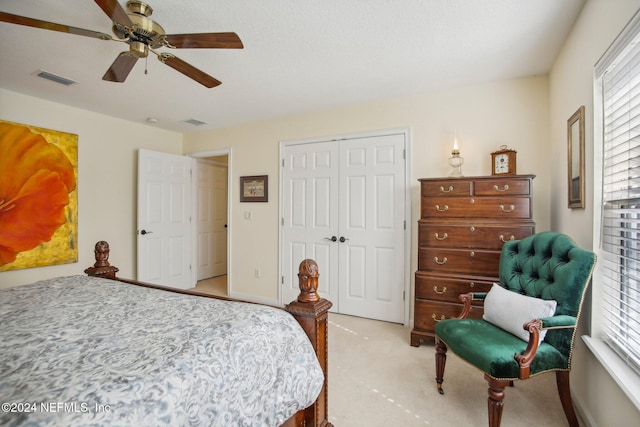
(204, 41)
(120, 68)
(114, 11)
(188, 70)
(46, 25)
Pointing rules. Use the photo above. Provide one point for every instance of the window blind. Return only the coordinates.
(620, 239)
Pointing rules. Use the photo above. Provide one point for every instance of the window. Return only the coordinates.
(618, 95)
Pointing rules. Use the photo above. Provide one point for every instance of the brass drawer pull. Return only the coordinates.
(472, 253)
(444, 290)
(511, 208)
(444, 236)
(512, 237)
(444, 260)
(472, 285)
(505, 188)
(472, 228)
(434, 317)
(446, 208)
(446, 191)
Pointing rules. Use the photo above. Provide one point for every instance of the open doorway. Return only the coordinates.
(211, 181)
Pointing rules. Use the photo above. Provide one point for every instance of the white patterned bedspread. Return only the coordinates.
(87, 351)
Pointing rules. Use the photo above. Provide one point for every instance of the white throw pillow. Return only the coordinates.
(510, 310)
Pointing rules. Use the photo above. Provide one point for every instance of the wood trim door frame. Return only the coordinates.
(213, 153)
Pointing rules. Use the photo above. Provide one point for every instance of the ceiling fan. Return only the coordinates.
(143, 35)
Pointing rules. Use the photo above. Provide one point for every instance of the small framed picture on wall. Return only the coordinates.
(254, 188)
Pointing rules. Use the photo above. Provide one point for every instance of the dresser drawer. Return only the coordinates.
(502, 187)
(443, 288)
(483, 236)
(428, 313)
(446, 187)
(472, 262)
(500, 208)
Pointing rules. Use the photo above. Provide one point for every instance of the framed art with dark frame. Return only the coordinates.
(254, 188)
(575, 154)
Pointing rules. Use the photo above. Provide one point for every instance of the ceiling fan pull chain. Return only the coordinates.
(146, 61)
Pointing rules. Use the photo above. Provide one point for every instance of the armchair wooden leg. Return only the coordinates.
(495, 402)
(441, 360)
(562, 380)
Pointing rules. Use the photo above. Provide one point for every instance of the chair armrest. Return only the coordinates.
(534, 327)
(466, 300)
(480, 295)
(558, 322)
(526, 357)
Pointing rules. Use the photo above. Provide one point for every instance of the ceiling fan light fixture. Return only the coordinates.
(54, 78)
(138, 49)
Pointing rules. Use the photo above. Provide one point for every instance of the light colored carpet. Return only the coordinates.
(213, 286)
(377, 379)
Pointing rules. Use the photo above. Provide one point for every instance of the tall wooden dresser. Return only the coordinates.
(463, 224)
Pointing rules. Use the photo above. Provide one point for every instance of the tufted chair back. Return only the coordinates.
(550, 266)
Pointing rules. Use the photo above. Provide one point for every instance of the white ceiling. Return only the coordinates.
(298, 55)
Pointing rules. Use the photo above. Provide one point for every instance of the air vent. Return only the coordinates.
(194, 122)
(55, 78)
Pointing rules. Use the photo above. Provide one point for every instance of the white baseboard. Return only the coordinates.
(583, 413)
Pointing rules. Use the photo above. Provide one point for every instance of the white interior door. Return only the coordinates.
(310, 216)
(352, 189)
(372, 221)
(211, 219)
(164, 219)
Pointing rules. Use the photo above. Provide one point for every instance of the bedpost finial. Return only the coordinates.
(308, 281)
(102, 268)
(102, 254)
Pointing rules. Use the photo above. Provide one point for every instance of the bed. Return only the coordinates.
(97, 349)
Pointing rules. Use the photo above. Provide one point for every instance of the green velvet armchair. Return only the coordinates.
(543, 279)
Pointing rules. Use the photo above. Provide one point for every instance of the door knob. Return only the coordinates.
(143, 232)
(343, 239)
(332, 238)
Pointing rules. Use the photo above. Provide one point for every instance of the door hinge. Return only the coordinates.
(282, 162)
(282, 280)
(282, 221)
(403, 295)
(404, 154)
(405, 224)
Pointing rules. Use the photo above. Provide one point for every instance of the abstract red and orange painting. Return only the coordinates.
(38, 197)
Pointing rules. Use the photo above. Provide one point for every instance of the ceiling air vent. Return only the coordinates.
(194, 122)
(55, 78)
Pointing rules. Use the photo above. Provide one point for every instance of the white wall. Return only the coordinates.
(571, 85)
(107, 168)
(514, 113)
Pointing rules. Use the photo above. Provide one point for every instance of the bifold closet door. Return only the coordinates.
(344, 206)
(371, 221)
(310, 216)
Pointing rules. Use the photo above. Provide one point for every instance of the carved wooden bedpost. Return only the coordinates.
(311, 312)
(102, 268)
